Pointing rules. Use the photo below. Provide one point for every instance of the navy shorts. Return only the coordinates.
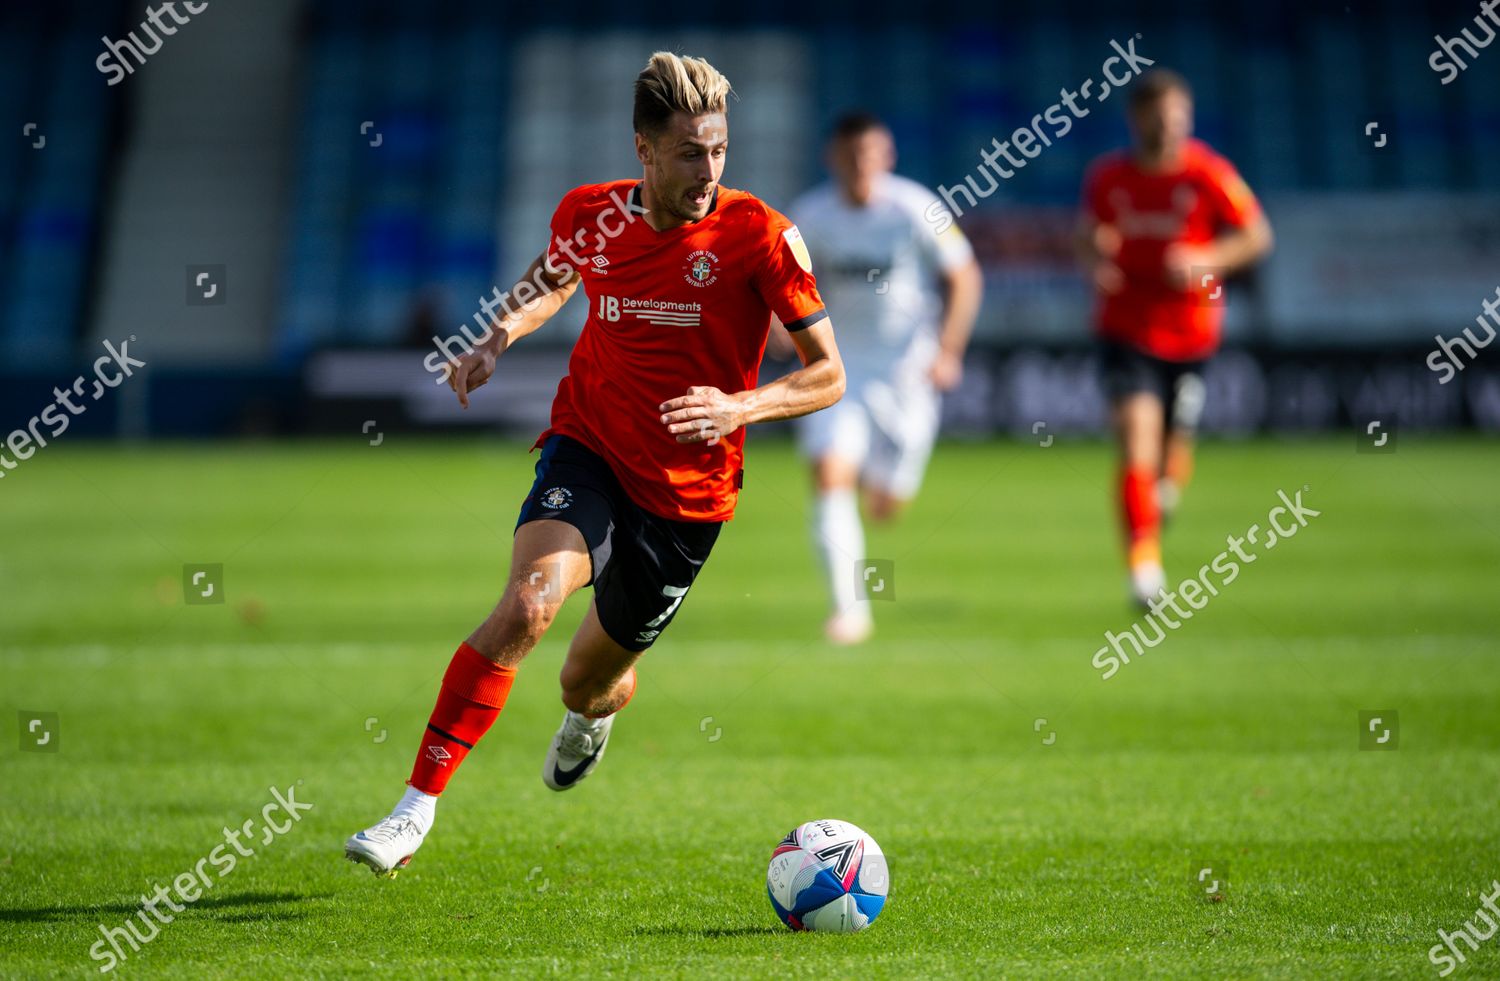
(1125, 370)
(642, 564)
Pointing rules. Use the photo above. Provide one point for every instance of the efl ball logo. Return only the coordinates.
(701, 270)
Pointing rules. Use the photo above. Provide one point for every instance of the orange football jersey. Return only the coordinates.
(1152, 211)
(669, 310)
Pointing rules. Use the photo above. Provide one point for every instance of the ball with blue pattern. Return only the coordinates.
(828, 876)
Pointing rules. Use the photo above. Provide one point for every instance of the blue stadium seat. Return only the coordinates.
(50, 185)
(376, 232)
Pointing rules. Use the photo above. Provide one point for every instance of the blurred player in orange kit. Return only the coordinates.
(642, 463)
(1164, 223)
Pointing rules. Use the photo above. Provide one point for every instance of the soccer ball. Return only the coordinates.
(828, 876)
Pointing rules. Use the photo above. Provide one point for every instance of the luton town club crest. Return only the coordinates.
(557, 498)
(701, 271)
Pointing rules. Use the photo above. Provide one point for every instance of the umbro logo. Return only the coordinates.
(599, 262)
(438, 755)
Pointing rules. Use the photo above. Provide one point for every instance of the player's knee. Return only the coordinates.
(1145, 453)
(525, 616)
(832, 473)
(1141, 446)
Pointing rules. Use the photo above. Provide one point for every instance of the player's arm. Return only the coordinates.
(1230, 252)
(1241, 247)
(1097, 243)
(706, 414)
(529, 304)
(960, 282)
(963, 289)
(779, 342)
(1246, 238)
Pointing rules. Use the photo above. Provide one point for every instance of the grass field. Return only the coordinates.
(1018, 848)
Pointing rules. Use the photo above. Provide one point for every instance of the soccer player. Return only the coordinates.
(906, 295)
(1163, 225)
(641, 464)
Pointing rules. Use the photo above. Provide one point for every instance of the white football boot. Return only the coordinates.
(387, 847)
(576, 750)
(851, 627)
(1147, 582)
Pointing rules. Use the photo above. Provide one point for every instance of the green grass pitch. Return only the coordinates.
(1018, 847)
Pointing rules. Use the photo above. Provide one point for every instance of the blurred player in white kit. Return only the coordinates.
(903, 282)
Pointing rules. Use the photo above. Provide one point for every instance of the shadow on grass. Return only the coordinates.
(45, 914)
(280, 915)
(710, 933)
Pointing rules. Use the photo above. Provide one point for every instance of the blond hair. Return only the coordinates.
(671, 83)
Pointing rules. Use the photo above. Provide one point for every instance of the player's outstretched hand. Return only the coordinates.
(703, 415)
(468, 372)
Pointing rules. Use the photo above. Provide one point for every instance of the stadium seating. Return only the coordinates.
(394, 221)
(386, 241)
(382, 237)
(51, 175)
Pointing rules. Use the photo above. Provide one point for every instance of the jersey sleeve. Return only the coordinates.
(1233, 201)
(784, 276)
(948, 249)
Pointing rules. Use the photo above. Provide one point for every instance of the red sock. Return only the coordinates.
(1138, 504)
(473, 693)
